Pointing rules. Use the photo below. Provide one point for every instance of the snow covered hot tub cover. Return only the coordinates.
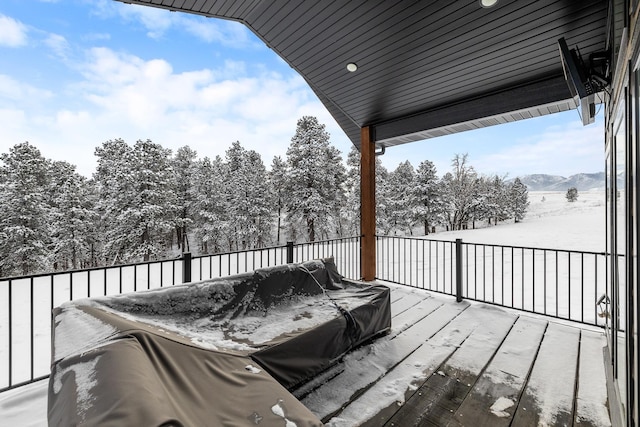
(219, 352)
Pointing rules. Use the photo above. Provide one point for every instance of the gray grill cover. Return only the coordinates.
(115, 363)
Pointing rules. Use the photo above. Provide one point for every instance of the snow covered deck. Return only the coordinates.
(444, 363)
(466, 364)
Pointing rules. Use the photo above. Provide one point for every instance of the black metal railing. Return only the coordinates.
(559, 283)
(565, 284)
(26, 302)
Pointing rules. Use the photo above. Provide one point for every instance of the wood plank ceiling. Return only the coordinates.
(425, 68)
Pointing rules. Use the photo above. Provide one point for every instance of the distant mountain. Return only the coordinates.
(582, 181)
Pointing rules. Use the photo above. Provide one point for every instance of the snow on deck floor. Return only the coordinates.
(443, 362)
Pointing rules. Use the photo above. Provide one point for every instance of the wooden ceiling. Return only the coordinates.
(425, 68)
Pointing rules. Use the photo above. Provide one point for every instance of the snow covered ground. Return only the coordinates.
(551, 222)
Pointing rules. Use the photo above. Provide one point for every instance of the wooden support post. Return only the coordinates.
(367, 205)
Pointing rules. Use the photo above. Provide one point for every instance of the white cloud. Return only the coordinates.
(562, 150)
(12, 33)
(96, 36)
(124, 96)
(12, 91)
(58, 44)
(158, 22)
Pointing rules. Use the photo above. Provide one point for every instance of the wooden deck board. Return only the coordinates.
(441, 395)
(504, 378)
(400, 322)
(466, 364)
(407, 376)
(549, 394)
(365, 366)
(591, 398)
(406, 302)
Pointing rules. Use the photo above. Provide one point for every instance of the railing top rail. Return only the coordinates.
(494, 245)
(133, 264)
(84, 270)
(241, 251)
(327, 241)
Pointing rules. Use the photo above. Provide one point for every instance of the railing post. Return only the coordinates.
(289, 252)
(458, 270)
(186, 267)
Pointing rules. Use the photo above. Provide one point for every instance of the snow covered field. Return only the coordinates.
(551, 263)
(551, 222)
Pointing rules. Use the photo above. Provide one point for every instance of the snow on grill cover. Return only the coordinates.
(219, 352)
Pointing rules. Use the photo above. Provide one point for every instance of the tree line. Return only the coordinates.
(144, 202)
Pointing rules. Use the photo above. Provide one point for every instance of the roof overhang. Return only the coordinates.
(426, 68)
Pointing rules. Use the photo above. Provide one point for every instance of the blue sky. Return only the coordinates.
(76, 73)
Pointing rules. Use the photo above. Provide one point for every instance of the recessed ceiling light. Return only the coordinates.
(488, 3)
(352, 66)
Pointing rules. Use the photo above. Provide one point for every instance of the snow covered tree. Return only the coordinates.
(383, 221)
(498, 206)
(572, 194)
(73, 217)
(428, 206)
(519, 199)
(151, 217)
(210, 211)
(315, 176)
(277, 185)
(137, 202)
(183, 166)
(351, 212)
(25, 215)
(458, 191)
(338, 174)
(401, 197)
(247, 197)
(113, 183)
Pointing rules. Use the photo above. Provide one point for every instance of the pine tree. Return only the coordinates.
(210, 212)
(383, 214)
(277, 186)
(151, 217)
(352, 190)
(25, 237)
(183, 166)
(519, 198)
(72, 216)
(247, 196)
(114, 181)
(428, 207)
(572, 194)
(137, 202)
(497, 200)
(314, 181)
(402, 199)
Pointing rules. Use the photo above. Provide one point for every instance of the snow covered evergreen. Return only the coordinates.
(315, 177)
(72, 218)
(519, 200)
(184, 168)
(277, 187)
(25, 217)
(210, 215)
(142, 200)
(248, 205)
(428, 202)
(401, 199)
